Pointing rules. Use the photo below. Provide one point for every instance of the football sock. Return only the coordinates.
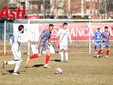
(107, 52)
(33, 56)
(66, 55)
(47, 59)
(95, 48)
(62, 55)
(100, 51)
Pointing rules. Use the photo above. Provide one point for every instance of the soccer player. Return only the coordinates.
(15, 42)
(63, 33)
(106, 43)
(97, 40)
(42, 45)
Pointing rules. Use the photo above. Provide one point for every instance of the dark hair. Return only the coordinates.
(51, 25)
(106, 27)
(65, 23)
(98, 28)
(20, 27)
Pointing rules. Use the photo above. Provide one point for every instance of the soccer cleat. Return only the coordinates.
(16, 74)
(66, 61)
(61, 61)
(27, 61)
(98, 56)
(106, 56)
(95, 52)
(46, 66)
(4, 63)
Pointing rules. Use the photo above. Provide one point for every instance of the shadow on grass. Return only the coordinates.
(37, 65)
(56, 60)
(11, 71)
(96, 57)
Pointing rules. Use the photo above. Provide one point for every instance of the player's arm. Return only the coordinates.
(49, 41)
(18, 38)
(41, 37)
(38, 43)
(101, 37)
(57, 35)
(69, 37)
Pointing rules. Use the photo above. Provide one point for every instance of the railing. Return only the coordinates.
(12, 5)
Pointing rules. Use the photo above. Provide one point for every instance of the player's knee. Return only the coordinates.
(39, 55)
(108, 49)
(48, 53)
(66, 50)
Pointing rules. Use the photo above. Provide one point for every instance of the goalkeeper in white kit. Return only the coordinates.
(15, 42)
(63, 34)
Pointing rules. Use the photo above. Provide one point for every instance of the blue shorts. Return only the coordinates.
(98, 44)
(106, 45)
(42, 48)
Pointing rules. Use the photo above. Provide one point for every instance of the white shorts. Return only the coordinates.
(16, 52)
(63, 47)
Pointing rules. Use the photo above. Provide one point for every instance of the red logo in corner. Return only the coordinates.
(15, 13)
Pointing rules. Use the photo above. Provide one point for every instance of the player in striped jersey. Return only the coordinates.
(97, 40)
(63, 34)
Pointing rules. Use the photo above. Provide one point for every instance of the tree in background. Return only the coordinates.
(3, 3)
(110, 8)
(106, 8)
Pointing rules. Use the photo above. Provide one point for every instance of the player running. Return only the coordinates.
(106, 43)
(15, 42)
(63, 33)
(97, 40)
(42, 45)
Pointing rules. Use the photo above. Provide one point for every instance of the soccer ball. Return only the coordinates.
(58, 70)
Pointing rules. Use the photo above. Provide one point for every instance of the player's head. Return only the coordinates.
(98, 29)
(51, 26)
(21, 28)
(65, 25)
(106, 29)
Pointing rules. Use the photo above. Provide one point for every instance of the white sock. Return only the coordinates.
(11, 62)
(66, 55)
(62, 55)
(17, 66)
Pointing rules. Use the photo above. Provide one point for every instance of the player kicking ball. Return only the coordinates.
(63, 33)
(97, 40)
(42, 45)
(15, 42)
(106, 43)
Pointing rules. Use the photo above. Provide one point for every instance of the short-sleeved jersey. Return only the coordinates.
(45, 36)
(16, 39)
(63, 34)
(105, 36)
(97, 37)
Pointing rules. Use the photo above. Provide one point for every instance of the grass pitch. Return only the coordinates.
(82, 69)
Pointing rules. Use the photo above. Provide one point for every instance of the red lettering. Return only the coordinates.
(17, 13)
(12, 14)
(23, 12)
(4, 12)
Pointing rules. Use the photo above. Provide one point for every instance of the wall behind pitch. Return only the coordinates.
(31, 32)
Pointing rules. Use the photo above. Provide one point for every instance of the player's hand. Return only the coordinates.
(49, 44)
(37, 46)
(93, 41)
(71, 43)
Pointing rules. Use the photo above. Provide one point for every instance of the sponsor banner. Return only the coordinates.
(79, 31)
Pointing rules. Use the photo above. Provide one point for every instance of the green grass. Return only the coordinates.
(82, 69)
